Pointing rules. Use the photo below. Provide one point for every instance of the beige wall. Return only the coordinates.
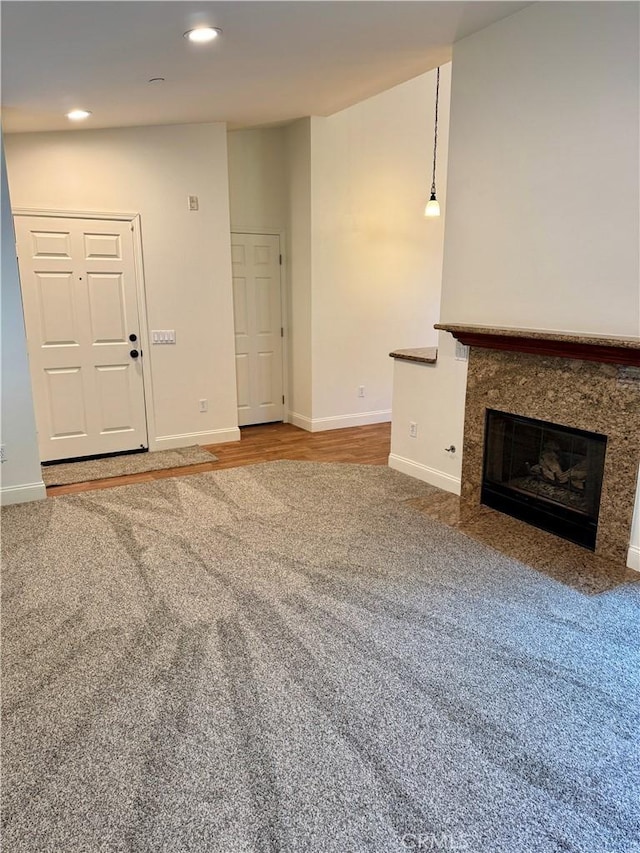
(187, 261)
(363, 265)
(258, 180)
(21, 478)
(376, 260)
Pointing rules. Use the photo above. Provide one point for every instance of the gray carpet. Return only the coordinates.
(288, 657)
(119, 466)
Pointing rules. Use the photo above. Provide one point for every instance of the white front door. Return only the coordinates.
(258, 326)
(80, 304)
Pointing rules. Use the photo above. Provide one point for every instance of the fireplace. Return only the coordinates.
(544, 473)
(587, 382)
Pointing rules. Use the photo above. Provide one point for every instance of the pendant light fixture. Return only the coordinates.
(433, 205)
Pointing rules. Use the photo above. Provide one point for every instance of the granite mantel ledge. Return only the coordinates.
(422, 355)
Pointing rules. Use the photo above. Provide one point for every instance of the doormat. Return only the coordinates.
(119, 466)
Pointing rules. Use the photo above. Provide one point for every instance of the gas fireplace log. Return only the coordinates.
(575, 476)
(549, 467)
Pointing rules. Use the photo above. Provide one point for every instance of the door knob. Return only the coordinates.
(134, 353)
(133, 338)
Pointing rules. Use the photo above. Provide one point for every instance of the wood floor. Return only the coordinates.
(368, 445)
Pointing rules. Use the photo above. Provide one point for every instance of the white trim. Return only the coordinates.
(22, 493)
(423, 472)
(284, 303)
(213, 436)
(342, 421)
(273, 232)
(633, 558)
(338, 421)
(143, 331)
(74, 214)
(301, 421)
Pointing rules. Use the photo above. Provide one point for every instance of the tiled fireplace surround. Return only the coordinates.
(582, 382)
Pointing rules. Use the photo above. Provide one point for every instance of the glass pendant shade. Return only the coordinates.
(433, 207)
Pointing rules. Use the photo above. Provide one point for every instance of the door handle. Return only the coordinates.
(134, 353)
(133, 338)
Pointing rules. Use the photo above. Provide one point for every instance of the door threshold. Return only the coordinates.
(96, 456)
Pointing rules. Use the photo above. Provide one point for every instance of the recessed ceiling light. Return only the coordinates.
(203, 34)
(78, 115)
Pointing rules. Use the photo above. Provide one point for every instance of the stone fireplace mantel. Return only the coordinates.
(612, 350)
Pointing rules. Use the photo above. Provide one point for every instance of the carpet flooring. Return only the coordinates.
(289, 657)
(127, 463)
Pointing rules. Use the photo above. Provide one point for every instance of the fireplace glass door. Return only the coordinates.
(543, 473)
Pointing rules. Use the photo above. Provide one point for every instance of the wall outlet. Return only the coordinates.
(204, 405)
(3, 452)
(413, 429)
(360, 390)
(193, 202)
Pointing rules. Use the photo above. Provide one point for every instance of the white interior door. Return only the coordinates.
(258, 327)
(80, 304)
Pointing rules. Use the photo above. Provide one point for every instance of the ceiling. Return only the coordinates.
(275, 61)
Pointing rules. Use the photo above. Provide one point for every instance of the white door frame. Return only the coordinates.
(284, 306)
(136, 229)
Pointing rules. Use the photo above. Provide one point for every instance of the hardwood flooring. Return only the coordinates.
(368, 445)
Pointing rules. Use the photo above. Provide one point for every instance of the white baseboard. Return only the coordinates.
(300, 421)
(22, 493)
(633, 558)
(423, 472)
(339, 421)
(342, 421)
(212, 436)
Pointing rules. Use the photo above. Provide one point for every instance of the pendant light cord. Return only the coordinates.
(435, 135)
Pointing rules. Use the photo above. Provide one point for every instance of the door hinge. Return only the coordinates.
(281, 332)
(280, 258)
(283, 398)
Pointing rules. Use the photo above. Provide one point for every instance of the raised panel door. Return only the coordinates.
(80, 299)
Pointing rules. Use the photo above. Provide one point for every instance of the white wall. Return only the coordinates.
(258, 195)
(187, 260)
(376, 260)
(298, 166)
(20, 474)
(542, 227)
(431, 396)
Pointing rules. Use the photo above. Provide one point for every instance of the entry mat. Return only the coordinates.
(66, 473)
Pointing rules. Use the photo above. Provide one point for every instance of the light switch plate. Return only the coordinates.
(163, 336)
